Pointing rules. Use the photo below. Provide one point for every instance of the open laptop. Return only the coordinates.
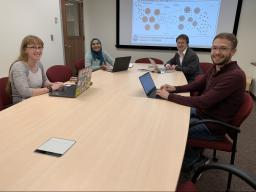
(148, 85)
(121, 64)
(73, 89)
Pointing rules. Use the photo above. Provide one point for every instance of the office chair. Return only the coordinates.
(230, 142)
(58, 73)
(79, 64)
(5, 98)
(190, 186)
(205, 66)
(149, 60)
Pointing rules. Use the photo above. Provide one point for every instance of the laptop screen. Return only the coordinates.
(121, 63)
(147, 83)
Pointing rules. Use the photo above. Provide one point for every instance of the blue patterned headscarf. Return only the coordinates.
(97, 55)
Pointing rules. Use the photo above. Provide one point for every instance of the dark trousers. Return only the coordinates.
(200, 131)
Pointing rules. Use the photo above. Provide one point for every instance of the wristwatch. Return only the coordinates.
(49, 88)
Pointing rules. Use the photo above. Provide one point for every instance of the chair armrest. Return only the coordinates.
(225, 125)
(228, 168)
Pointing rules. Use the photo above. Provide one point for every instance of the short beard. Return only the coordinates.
(225, 61)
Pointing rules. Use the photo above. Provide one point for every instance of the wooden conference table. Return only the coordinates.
(124, 140)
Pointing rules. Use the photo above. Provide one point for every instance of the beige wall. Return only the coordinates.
(19, 18)
(100, 21)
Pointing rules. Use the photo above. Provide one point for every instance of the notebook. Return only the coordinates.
(77, 86)
(148, 85)
(120, 64)
(55, 146)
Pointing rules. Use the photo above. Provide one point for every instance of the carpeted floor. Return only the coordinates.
(245, 159)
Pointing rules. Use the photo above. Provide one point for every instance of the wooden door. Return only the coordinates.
(73, 31)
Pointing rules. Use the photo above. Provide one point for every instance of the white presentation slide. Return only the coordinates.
(160, 22)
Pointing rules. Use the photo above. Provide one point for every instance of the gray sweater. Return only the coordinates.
(20, 81)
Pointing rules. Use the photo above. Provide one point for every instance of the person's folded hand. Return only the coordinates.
(167, 66)
(162, 93)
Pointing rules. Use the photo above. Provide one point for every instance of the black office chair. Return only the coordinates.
(190, 186)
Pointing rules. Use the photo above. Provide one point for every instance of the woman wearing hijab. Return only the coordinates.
(97, 58)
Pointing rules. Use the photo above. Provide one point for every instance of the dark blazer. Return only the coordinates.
(190, 64)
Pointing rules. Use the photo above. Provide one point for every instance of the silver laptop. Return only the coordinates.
(73, 89)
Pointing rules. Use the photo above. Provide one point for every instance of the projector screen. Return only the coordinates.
(155, 24)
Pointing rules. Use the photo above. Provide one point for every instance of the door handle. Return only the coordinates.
(68, 46)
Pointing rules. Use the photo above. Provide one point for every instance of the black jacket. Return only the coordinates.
(190, 64)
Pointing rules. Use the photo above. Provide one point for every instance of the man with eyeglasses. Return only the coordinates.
(221, 88)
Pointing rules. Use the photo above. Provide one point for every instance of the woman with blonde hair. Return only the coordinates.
(26, 75)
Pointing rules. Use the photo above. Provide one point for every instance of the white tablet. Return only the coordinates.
(55, 146)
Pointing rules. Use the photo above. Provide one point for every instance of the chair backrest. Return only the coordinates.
(79, 64)
(190, 185)
(5, 99)
(149, 60)
(205, 66)
(59, 73)
(244, 110)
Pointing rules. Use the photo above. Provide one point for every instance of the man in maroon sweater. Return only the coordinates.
(221, 89)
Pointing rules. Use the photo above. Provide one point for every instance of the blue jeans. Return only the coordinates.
(200, 131)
